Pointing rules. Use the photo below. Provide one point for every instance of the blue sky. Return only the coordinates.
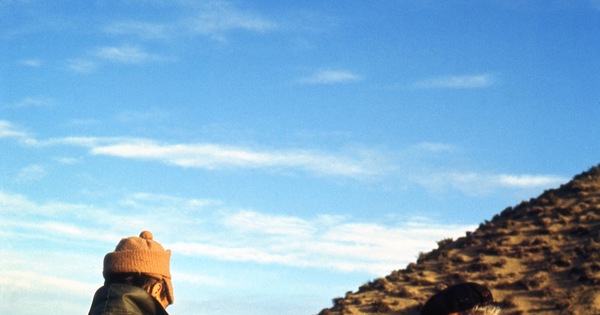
(286, 152)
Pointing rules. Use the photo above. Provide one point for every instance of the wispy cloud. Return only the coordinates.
(142, 30)
(60, 222)
(126, 54)
(475, 81)
(216, 17)
(254, 222)
(435, 147)
(157, 201)
(331, 77)
(472, 183)
(345, 245)
(147, 115)
(31, 173)
(26, 277)
(230, 235)
(84, 122)
(34, 63)
(82, 65)
(529, 180)
(212, 19)
(9, 130)
(404, 167)
(30, 280)
(355, 164)
(215, 156)
(32, 102)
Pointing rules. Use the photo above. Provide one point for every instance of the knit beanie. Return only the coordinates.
(141, 255)
(457, 298)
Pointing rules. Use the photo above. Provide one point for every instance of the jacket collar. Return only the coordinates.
(119, 298)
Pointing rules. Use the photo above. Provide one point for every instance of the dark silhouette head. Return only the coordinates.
(457, 298)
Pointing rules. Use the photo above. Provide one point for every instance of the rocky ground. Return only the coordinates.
(539, 257)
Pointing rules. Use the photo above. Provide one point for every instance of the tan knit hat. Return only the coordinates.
(141, 255)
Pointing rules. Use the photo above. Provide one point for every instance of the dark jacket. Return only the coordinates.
(123, 299)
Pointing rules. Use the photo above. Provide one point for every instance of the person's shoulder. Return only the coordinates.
(121, 299)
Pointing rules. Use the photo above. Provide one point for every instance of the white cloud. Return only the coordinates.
(67, 160)
(31, 173)
(238, 253)
(47, 276)
(456, 82)
(82, 65)
(165, 204)
(331, 77)
(8, 130)
(216, 17)
(254, 222)
(32, 102)
(212, 19)
(405, 167)
(436, 147)
(61, 222)
(125, 54)
(214, 156)
(147, 116)
(87, 142)
(358, 164)
(345, 245)
(472, 183)
(84, 122)
(237, 236)
(34, 63)
(31, 280)
(141, 29)
(529, 180)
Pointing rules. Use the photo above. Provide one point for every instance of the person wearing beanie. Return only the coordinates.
(467, 298)
(137, 279)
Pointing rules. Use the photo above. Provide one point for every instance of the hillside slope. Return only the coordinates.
(540, 257)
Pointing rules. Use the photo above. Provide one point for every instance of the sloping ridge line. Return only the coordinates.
(540, 257)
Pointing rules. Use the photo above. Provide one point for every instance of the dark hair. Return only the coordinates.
(139, 280)
(457, 298)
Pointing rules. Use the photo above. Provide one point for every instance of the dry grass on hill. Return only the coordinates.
(540, 257)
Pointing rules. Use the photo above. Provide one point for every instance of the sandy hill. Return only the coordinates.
(540, 257)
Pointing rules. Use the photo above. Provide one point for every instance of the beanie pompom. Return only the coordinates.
(147, 235)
